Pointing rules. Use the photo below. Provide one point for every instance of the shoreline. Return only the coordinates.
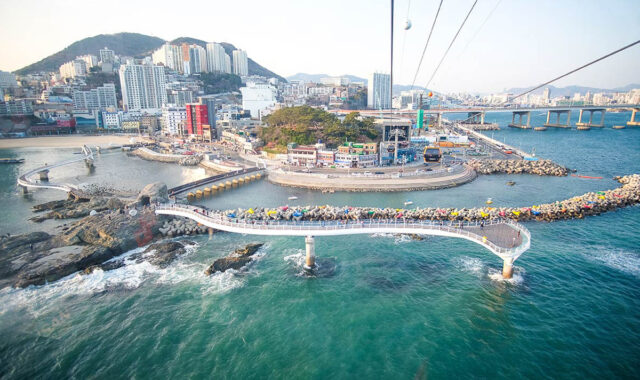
(66, 141)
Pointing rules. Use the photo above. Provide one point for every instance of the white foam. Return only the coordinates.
(469, 264)
(517, 278)
(619, 259)
(132, 275)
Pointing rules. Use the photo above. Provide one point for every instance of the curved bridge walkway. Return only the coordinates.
(505, 238)
(26, 182)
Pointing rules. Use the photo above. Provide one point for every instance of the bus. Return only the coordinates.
(432, 154)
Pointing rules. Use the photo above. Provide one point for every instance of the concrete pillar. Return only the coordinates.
(529, 119)
(507, 268)
(44, 175)
(482, 118)
(590, 117)
(580, 117)
(602, 118)
(513, 118)
(24, 190)
(310, 261)
(548, 116)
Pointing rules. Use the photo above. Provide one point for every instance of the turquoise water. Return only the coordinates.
(389, 307)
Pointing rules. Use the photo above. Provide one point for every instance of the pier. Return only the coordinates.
(185, 188)
(25, 182)
(590, 124)
(557, 124)
(504, 238)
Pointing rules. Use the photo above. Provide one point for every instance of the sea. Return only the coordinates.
(381, 306)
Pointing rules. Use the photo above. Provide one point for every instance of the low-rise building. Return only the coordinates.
(302, 155)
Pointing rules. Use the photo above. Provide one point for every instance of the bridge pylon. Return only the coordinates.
(310, 260)
(507, 268)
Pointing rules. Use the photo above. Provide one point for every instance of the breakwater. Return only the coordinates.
(539, 167)
(593, 203)
(151, 155)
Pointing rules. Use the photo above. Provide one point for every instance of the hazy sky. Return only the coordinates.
(523, 43)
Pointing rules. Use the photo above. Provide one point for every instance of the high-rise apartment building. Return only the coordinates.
(173, 120)
(7, 80)
(197, 116)
(217, 58)
(143, 86)
(170, 56)
(72, 69)
(197, 59)
(96, 99)
(90, 60)
(240, 63)
(379, 91)
(107, 56)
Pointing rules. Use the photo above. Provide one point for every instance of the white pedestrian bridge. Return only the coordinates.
(505, 238)
(25, 181)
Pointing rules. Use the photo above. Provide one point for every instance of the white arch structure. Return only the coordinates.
(511, 231)
(25, 181)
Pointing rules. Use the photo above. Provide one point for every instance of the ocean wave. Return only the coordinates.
(130, 276)
(469, 264)
(617, 258)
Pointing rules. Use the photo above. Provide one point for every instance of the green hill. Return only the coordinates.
(126, 44)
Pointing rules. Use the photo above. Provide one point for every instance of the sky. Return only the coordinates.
(522, 43)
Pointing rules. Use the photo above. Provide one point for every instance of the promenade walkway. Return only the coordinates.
(25, 181)
(505, 238)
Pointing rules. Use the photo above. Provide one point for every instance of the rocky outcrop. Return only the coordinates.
(190, 160)
(152, 193)
(162, 254)
(540, 167)
(74, 207)
(181, 226)
(238, 259)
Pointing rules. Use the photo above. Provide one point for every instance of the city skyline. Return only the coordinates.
(508, 47)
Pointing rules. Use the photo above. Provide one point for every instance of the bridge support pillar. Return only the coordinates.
(633, 122)
(507, 268)
(44, 175)
(24, 190)
(88, 163)
(310, 261)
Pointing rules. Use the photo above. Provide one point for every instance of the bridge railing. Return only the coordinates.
(24, 180)
(304, 225)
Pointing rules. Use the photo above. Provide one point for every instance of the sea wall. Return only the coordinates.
(540, 167)
(578, 207)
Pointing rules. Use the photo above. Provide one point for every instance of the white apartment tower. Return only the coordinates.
(240, 63)
(95, 99)
(107, 55)
(72, 69)
(170, 56)
(197, 59)
(143, 86)
(218, 60)
(379, 91)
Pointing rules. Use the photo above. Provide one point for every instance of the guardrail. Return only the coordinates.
(24, 181)
(457, 228)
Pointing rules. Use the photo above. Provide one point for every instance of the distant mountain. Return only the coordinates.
(126, 44)
(570, 90)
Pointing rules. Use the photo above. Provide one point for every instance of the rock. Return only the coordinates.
(152, 193)
(238, 259)
(164, 253)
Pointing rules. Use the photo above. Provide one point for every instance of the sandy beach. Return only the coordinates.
(67, 141)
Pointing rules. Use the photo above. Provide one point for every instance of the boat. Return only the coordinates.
(292, 198)
(618, 127)
(11, 160)
(408, 203)
(540, 128)
(489, 201)
(511, 183)
(585, 176)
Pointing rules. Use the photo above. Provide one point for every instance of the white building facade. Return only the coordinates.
(169, 55)
(240, 63)
(95, 99)
(379, 91)
(258, 97)
(143, 86)
(173, 119)
(72, 69)
(218, 60)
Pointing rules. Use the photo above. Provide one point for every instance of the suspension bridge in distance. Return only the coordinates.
(504, 238)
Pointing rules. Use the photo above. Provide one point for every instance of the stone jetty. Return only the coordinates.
(540, 167)
(593, 203)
